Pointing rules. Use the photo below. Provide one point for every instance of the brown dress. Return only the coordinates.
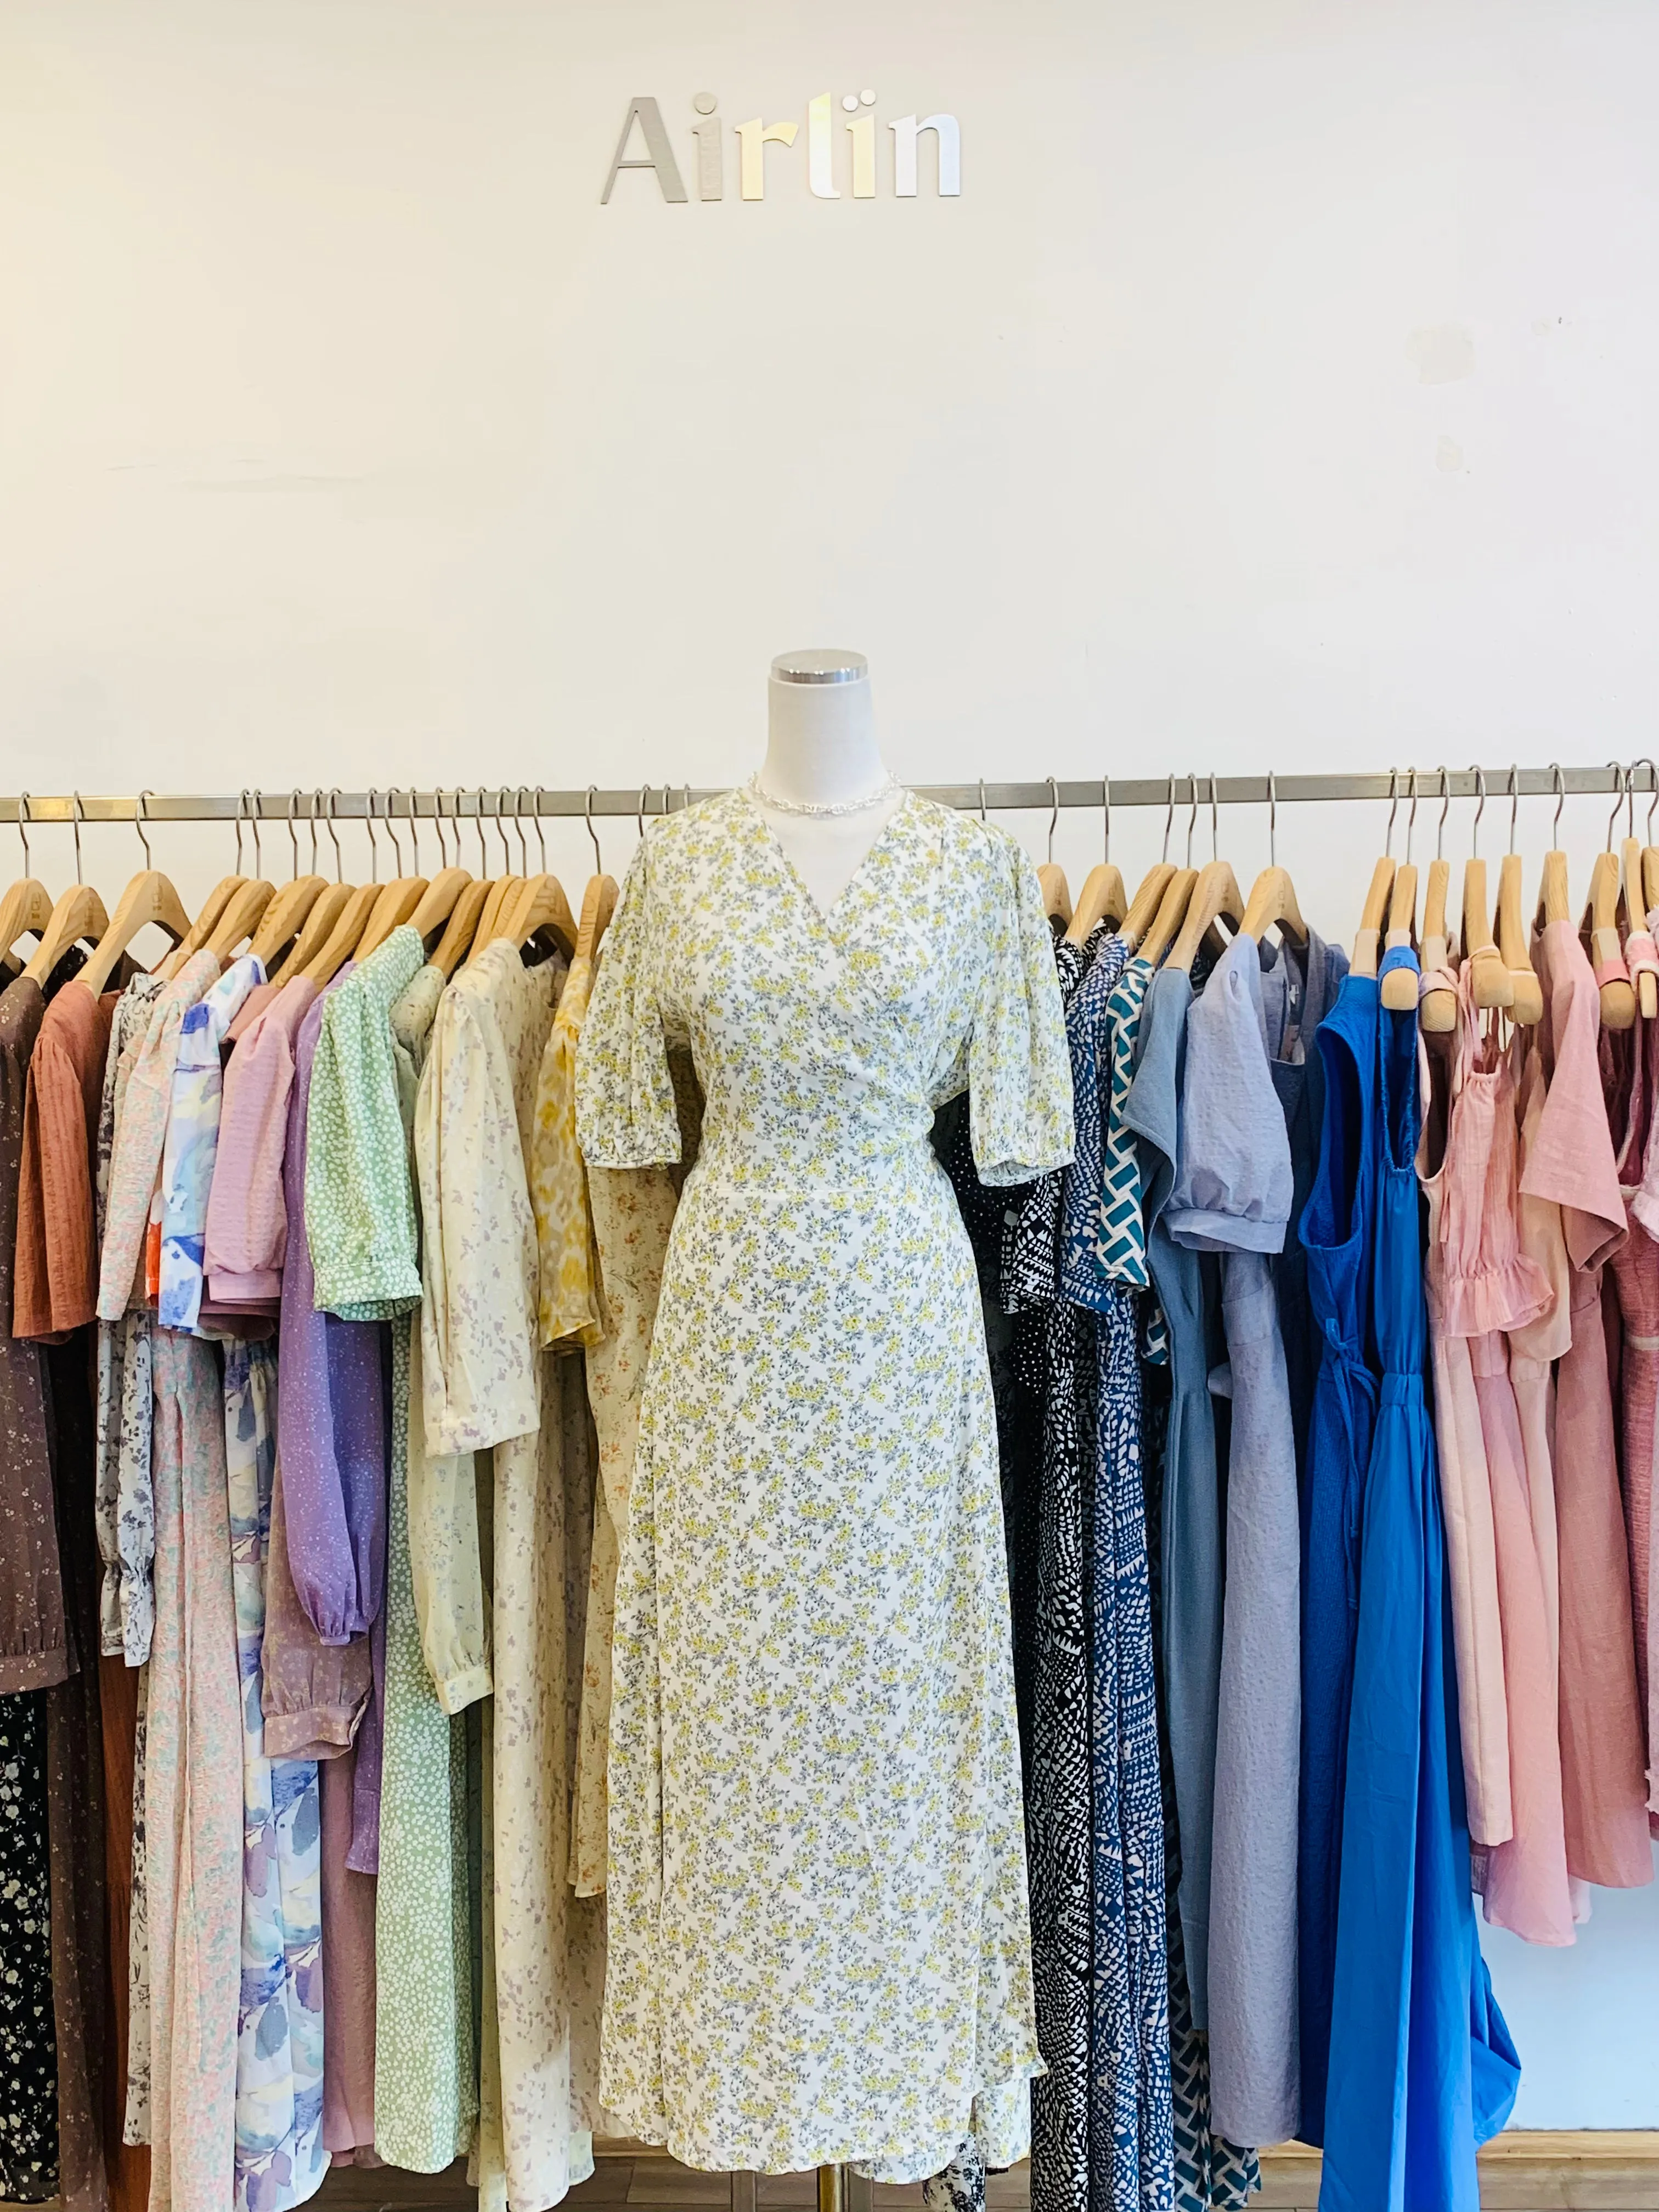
(52, 1298)
(32, 1650)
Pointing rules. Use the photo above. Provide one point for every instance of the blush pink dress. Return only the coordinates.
(1632, 1063)
(1465, 1488)
(1489, 1286)
(1570, 1162)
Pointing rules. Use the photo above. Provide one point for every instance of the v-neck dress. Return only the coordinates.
(819, 1942)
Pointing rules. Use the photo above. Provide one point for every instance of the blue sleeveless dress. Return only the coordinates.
(1336, 1232)
(1421, 2067)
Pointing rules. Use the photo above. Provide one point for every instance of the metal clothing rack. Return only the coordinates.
(525, 802)
(839, 2188)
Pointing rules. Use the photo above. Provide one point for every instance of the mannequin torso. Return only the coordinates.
(821, 750)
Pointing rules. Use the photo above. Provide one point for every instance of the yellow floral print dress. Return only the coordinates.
(819, 1948)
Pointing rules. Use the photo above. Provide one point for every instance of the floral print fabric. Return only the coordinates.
(28, 2053)
(494, 1388)
(360, 1209)
(815, 1811)
(191, 1143)
(280, 2160)
(569, 1301)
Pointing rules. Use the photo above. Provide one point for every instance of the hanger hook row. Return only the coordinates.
(1480, 776)
(535, 823)
(1411, 815)
(140, 815)
(1273, 819)
(1641, 761)
(588, 816)
(1106, 804)
(1169, 817)
(1515, 800)
(982, 797)
(1053, 815)
(1215, 822)
(24, 818)
(1393, 809)
(639, 812)
(1192, 820)
(1445, 809)
(1558, 786)
(77, 816)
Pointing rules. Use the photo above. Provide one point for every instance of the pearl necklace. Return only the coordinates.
(811, 806)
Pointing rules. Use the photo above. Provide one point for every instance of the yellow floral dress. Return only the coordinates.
(819, 1948)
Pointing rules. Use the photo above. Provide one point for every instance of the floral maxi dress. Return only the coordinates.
(819, 1948)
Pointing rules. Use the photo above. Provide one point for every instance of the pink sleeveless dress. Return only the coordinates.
(1464, 1492)
(1631, 1102)
(1490, 1285)
(1570, 1162)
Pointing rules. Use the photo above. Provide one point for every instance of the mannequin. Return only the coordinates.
(821, 751)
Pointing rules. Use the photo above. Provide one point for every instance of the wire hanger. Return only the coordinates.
(1101, 897)
(25, 909)
(78, 914)
(1401, 985)
(1056, 898)
(1273, 902)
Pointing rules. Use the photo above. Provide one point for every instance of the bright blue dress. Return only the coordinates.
(1337, 1228)
(1421, 2067)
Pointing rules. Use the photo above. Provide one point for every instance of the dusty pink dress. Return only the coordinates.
(1489, 1286)
(1465, 1492)
(1570, 1161)
(1630, 1072)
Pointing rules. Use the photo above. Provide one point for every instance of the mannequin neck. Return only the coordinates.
(821, 747)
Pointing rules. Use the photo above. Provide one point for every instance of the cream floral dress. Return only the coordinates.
(818, 1939)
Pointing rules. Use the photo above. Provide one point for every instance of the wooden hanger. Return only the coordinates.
(461, 929)
(1272, 903)
(1215, 896)
(149, 897)
(1636, 918)
(598, 904)
(400, 897)
(502, 891)
(25, 911)
(1166, 924)
(291, 903)
(1372, 919)
(326, 909)
(78, 914)
(1399, 985)
(1491, 983)
(1527, 1008)
(1056, 898)
(342, 941)
(438, 901)
(1101, 899)
(541, 904)
(236, 925)
(1143, 906)
(196, 937)
(1437, 1006)
(1602, 919)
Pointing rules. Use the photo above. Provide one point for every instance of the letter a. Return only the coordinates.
(648, 115)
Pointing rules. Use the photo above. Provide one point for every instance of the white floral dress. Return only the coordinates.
(819, 1948)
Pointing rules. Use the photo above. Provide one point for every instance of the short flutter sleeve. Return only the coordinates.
(625, 1113)
(1019, 1072)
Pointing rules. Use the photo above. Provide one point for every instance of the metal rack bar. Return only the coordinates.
(510, 800)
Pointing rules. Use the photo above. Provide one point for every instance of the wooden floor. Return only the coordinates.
(1522, 2172)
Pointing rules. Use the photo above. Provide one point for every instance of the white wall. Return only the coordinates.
(1279, 393)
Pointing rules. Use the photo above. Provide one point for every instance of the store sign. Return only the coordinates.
(643, 127)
